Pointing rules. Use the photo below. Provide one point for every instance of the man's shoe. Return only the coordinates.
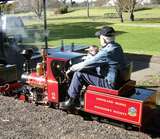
(71, 103)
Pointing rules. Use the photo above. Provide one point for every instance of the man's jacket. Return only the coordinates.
(110, 59)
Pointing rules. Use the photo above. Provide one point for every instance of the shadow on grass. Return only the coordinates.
(78, 30)
(148, 20)
(140, 61)
(74, 30)
(143, 9)
(83, 30)
(74, 17)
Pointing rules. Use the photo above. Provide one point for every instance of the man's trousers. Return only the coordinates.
(79, 79)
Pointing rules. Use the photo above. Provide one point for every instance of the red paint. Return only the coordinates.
(114, 107)
(22, 97)
(10, 86)
(36, 80)
(123, 89)
(52, 84)
(103, 90)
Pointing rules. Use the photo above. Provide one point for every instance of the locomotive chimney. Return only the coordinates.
(72, 46)
(44, 54)
(27, 54)
(62, 45)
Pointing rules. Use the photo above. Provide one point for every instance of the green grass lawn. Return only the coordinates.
(76, 27)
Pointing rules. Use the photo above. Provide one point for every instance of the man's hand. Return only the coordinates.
(67, 73)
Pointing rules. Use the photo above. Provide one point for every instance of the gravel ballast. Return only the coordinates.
(25, 121)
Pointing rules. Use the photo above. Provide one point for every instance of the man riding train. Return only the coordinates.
(108, 64)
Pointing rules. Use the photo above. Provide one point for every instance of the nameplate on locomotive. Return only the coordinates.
(114, 107)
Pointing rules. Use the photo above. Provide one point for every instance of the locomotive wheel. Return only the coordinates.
(52, 105)
(95, 118)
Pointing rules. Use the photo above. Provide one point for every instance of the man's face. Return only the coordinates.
(102, 40)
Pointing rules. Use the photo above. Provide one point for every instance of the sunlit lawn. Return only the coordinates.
(76, 27)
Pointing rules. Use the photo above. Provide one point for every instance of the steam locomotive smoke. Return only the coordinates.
(13, 33)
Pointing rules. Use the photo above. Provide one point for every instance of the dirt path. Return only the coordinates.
(146, 69)
(144, 74)
(147, 25)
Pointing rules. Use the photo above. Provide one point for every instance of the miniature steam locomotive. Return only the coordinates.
(47, 84)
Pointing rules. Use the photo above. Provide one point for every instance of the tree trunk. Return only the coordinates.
(131, 16)
(119, 11)
(71, 3)
(121, 16)
(87, 8)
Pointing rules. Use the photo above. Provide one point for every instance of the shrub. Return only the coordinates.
(64, 9)
(61, 10)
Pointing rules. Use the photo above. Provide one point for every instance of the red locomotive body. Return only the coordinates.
(131, 109)
(128, 104)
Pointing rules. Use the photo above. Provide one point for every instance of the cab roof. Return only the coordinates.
(65, 55)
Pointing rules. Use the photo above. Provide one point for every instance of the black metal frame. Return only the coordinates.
(45, 25)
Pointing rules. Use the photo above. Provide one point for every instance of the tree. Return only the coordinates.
(7, 7)
(23, 5)
(155, 1)
(119, 5)
(63, 1)
(87, 8)
(130, 7)
(37, 6)
(53, 4)
(126, 5)
(100, 3)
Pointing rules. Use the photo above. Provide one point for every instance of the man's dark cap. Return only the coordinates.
(105, 31)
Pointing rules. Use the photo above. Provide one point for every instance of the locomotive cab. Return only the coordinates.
(57, 65)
